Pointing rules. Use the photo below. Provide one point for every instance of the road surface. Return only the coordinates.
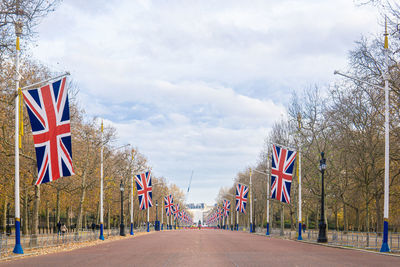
(207, 248)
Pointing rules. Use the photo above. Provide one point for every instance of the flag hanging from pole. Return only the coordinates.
(226, 207)
(176, 211)
(48, 110)
(241, 197)
(169, 202)
(282, 173)
(144, 190)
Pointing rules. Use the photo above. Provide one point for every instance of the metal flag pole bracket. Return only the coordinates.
(336, 72)
(282, 146)
(46, 81)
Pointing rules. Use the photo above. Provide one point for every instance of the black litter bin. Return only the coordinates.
(157, 225)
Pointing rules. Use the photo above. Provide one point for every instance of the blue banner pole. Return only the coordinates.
(101, 231)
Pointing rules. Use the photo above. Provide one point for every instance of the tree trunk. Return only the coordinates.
(292, 224)
(5, 214)
(47, 217)
(379, 217)
(108, 219)
(336, 217)
(80, 209)
(358, 218)
(367, 221)
(345, 224)
(98, 213)
(68, 221)
(282, 221)
(307, 225)
(35, 217)
(58, 205)
(25, 213)
(83, 193)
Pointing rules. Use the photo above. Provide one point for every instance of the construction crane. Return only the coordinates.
(190, 182)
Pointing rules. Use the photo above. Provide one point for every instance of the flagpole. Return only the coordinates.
(299, 180)
(237, 220)
(268, 185)
(131, 193)
(148, 220)
(231, 221)
(385, 245)
(101, 237)
(18, 247)
(251, 207)
(162, 214)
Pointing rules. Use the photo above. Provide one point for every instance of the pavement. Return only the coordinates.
(207, 248)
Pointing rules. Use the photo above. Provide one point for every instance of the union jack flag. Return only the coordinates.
(220, 212)
(144, 190)
(241, 197)
(48, 110)
(176, 211)
(281, 173)
(168, 200)
(226, 207)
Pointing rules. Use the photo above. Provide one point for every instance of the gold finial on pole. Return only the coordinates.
(386, 46)
(299, 120)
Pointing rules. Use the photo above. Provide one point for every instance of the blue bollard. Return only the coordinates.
(267, 233)
(18, 248)
(385, 245)
(148, 227)
(101, 237)
(132, 229)
(299, 237)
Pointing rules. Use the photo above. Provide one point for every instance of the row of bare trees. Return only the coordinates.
(72, 200)
(346, 121)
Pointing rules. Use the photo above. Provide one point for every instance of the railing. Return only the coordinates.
(28, 242)
(364, 240)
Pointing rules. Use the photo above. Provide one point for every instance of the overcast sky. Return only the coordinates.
(196, 85)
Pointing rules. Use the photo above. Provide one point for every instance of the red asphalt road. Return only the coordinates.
(207, 248)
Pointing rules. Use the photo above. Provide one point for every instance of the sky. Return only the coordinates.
(197, 85)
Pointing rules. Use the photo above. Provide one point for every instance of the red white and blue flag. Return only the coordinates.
(282, 172)
(176, 211)
(226, 207)
(241, 197)
(48, 110)
(144, 190)
(169, 202)
(220, 212)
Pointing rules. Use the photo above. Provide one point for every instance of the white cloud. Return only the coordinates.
(197, 84)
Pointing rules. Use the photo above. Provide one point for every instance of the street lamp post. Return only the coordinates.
(251, 206)
(299, 237)
(131, 192)
(254, 215)
(55, 223)
(162, 215)
(122, 227)
(322, 225)
(156, 222)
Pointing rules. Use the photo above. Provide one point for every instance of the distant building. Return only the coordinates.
(199, 211)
